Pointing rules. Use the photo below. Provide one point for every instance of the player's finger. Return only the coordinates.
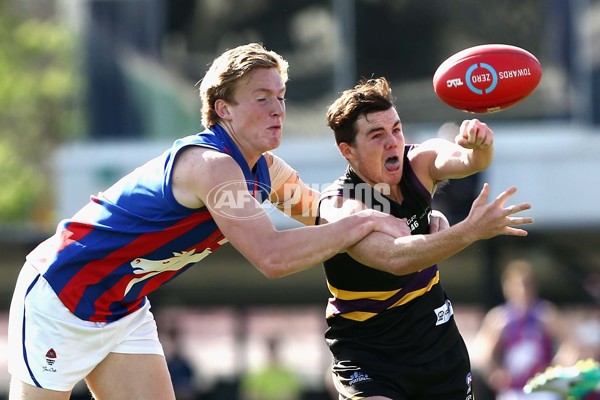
(515, 231)
(516, 221)
(488, 139)
(502, 197)
(464, 127)
(472, 131)
(485, 136)
(483, 195)
(466, 134)
(516, 208)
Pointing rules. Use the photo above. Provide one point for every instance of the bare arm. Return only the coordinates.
(472, 151)
(411, 253)
(221, 186)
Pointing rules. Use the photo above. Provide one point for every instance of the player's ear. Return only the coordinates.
(346, 150)
(222, 110)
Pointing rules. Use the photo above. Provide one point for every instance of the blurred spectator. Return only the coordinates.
(183, 373)
(275, 381)
(518, 338)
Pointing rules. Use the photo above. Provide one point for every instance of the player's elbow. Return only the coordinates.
(387, 264)
(390, 266)
(271, 267)
(392, 263)
(406, 266)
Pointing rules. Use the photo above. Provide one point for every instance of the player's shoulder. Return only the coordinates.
(203, 155)
(429, 145)
(198, 161)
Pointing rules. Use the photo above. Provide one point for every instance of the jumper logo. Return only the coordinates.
(412, 222)
(443, 313)
(150, 268)
(359, 376)
(469, 382)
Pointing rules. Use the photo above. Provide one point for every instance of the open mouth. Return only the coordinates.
(392, 164)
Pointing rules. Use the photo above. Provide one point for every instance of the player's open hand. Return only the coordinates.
(487, 220)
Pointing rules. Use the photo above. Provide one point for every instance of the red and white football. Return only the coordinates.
(487, 78)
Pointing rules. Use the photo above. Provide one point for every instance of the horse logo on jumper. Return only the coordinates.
(149, 268)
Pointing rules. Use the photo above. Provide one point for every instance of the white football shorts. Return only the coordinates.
(51, 348)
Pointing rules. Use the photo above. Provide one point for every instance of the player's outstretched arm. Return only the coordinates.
(471, 151)
(222, 188)
(407, 254)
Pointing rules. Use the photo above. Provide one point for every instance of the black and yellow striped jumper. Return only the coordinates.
(378, 318)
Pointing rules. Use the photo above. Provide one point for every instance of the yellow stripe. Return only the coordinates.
(351, 295)
(358, 315)
(362, 315)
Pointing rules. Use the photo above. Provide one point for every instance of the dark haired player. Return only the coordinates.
(391, 326)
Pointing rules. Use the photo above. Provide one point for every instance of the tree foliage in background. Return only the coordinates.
(40, 107)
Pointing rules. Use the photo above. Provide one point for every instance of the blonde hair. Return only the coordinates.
(228, 69)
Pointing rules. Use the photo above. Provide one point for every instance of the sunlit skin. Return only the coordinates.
(255, 119)
(376, 156)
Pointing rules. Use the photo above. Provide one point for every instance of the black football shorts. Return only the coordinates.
(361, 374)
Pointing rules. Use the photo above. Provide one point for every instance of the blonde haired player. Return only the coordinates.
(80, 311)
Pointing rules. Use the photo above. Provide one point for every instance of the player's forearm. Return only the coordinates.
(480, 159)
(301, 248)
(410, 254)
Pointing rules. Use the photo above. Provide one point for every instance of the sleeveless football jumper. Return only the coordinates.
(407, 318)
(134, 237)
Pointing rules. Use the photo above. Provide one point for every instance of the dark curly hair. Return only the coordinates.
(369, 95)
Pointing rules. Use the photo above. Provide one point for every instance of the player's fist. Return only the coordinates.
(474, 134)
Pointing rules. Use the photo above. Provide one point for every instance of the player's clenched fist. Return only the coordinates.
(474, 134)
